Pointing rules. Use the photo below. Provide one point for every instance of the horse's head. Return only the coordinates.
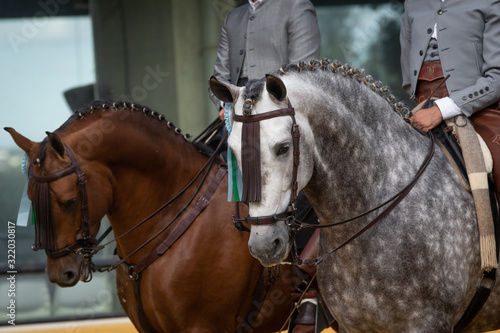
(59, 191)
(264, 138)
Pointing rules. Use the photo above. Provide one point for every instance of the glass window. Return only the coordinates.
(47, 70)
(47, 63)
(42, 59)
(365, 36)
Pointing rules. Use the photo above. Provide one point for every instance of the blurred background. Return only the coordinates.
(58, 55)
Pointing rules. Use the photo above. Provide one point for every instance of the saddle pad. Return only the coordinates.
(488, 159)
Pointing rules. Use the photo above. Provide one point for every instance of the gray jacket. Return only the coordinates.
(278, 33)
(469, 48)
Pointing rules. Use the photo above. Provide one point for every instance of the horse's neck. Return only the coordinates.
(147, 168)
(363, 155)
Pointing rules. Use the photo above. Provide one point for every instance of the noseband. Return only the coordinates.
(251, 174)
(44, 224)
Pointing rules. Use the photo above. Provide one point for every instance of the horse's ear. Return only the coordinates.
(226, 92)
(56, 144)
(275, 87)
(21, 141)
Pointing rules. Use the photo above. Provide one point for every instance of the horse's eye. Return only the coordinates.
(71, 203)
(283, 149)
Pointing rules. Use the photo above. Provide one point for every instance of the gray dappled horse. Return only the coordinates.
(417, 269)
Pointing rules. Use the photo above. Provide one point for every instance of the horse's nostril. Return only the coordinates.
(69, 276)
(276, 245)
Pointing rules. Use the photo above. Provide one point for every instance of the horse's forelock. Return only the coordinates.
(253, 89)
(251, 94)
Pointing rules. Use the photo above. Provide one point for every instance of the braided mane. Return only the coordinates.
(347, 71)
(109, 106)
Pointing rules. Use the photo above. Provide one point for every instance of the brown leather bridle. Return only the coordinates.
(289, 215)
(250, 139)
(85, 243)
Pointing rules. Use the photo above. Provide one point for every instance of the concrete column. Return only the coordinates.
(197, 26)
(134, 54)
(159, 53)
(187, 22)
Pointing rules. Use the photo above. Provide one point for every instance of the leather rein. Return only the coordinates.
(289, 215)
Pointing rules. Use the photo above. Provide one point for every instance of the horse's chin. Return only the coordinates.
(269, 262)
(272, 256)
(67, 285)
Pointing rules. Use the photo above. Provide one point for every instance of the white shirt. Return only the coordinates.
(255, 3)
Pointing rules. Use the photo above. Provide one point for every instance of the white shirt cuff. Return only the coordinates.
(447, 107)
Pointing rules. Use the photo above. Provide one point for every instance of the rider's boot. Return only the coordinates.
(305, 321)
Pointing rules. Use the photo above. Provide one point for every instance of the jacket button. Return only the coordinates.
(251, 18)
(440, 12)
(429, 31)
(475, 93)
(464, 98)
(421, 52)
(470, 96)
(241, 52)
(487, 88)
(415, 72)
(481, 91)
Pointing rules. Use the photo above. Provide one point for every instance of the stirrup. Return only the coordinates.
(321, 315)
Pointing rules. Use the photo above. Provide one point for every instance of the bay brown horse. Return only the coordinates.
(133, 162)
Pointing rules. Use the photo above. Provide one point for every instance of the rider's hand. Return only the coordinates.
(427, 119)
